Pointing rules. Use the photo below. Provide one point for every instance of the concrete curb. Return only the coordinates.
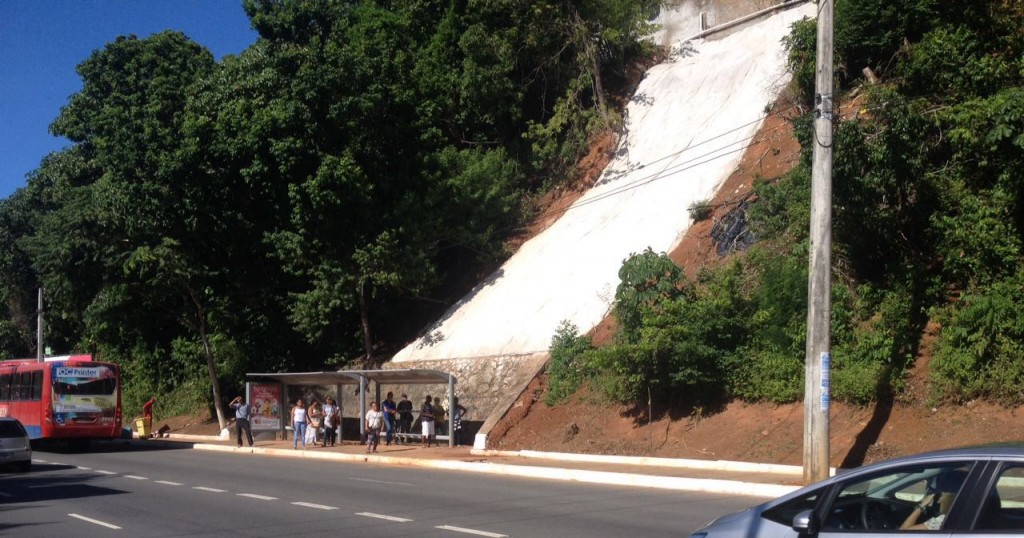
(709, 465)
(728, 487)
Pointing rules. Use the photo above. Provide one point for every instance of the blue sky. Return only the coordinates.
(41, 42)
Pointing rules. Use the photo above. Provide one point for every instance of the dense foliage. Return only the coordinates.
(928, 211)
(311, 201)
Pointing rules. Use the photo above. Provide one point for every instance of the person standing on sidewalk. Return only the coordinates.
(374, 422)
(242, 420)
(456, 415)
(299, 424)
(427, 419)
(390, 411)
(330, 421)
(405, 415)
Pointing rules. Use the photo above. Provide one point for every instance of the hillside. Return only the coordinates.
(765, 433)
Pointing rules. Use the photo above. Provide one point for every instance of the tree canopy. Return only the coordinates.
(309, 202)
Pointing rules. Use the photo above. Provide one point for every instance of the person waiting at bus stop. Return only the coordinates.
(242, 420)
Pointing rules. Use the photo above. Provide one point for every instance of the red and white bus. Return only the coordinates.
(69, 398)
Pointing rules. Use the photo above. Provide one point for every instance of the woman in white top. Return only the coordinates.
(374, 422)
(299, 424)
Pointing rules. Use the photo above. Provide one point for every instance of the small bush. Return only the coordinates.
(566, 367)
(700, 210)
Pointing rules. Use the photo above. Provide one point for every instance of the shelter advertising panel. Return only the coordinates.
(265, 402)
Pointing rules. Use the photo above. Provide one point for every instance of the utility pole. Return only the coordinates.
(39, 328)
(817, 363)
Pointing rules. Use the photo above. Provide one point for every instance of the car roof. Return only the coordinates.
(991, 450)
(1011, 449)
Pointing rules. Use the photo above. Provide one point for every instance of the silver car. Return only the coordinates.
(960, 492)
(15, 449)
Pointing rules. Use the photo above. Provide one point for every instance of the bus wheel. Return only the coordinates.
(79, 445)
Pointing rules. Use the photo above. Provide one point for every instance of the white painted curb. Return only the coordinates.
(709, 465)
(728, 487)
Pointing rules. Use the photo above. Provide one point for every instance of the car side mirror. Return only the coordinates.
(805, 522)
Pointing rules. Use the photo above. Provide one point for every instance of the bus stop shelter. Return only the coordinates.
(338, 379)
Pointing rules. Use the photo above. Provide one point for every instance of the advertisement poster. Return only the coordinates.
(265, 406)
(83, 395)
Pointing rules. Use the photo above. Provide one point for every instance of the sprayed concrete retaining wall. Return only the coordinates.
(684, 132)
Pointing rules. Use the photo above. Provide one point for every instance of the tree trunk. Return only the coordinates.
(583, 35)
(211, 365)
(364, 314)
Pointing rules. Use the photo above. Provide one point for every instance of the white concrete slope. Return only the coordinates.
(687, 126)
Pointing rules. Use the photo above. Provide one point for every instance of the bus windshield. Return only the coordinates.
(84, 381)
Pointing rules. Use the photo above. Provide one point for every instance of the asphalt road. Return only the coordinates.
(119, 489)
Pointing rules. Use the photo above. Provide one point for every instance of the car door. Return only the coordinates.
(999, 510)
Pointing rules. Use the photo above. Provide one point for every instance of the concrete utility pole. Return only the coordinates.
(819, 293)
(39, 328)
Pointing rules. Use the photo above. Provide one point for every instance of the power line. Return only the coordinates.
(708, 156)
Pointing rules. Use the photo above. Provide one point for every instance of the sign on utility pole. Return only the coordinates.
(819, 293)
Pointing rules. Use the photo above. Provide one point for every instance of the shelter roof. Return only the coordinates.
(351, 377)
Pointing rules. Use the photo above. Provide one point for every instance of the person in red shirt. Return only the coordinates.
(147, 415)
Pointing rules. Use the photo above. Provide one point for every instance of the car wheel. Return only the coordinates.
(23, 466)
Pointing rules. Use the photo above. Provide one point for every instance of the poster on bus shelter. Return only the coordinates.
(265, 406)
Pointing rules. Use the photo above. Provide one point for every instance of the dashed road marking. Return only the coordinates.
(37, 460)
(471, 531)
(255, 496)
(85, 468)
(383, 516)
(8, 495)
(105, 472)
(135, 477)
(95, 521)
(382, 482)
(169, 483)
(314, 505)
(212, 490)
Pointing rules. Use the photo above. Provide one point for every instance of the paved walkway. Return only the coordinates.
(725, 477)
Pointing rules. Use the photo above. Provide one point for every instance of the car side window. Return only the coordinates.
(906, 498)
(1004, 503)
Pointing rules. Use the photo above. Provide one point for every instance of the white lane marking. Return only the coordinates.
(96, 521)
(85, 468)
(105, 472)
(134, 477)
(8, 495)
(314, 505)
(471, 531)
(255, 496)
(381, 482)
(37, 460)
(56, 463)
(169, 483)
(382, 516)
(213, 490)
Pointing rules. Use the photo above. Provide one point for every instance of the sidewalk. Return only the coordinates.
(724, 477)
